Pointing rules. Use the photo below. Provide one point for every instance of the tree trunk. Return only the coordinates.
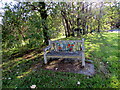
(83, 19)
(73, 34)
(72, 27)
(68, 27)
(66, 34)
(87, 27)
(100, 16)
(79, 19)
(44, 15)
(98, 25)
(84, 30)
(78, 25)
(66, 21)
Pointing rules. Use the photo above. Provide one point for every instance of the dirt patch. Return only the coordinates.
(70, 65)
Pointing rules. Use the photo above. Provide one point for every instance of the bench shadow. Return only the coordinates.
(70, 65)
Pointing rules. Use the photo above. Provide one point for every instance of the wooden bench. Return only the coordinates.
(55, 51)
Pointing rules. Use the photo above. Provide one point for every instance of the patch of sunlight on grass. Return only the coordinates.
(110, 40)
(50, 67)
(100, 43)
(16, 60)
(115, 44)
(21, 58)
(90, 35)
(23, 43)
(10, 67)
(12, 61)
(112, 58)
(24, 74)
(58, 38)
(23, 61)
(28, 72)
(114, 82)
(37, 55)
(93, 47)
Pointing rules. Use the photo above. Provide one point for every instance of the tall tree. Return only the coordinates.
(41, 8)
(44, 15)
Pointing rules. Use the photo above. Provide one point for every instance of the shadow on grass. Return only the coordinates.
(24, 71)
(22, 66)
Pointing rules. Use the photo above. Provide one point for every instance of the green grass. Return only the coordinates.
(20, 72)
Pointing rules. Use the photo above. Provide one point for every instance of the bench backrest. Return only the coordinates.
(67, 45)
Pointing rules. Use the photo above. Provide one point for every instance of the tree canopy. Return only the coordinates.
(34, 23)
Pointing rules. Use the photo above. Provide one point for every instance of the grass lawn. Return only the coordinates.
(20, 70)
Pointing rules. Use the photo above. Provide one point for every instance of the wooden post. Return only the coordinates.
(45, 58)
(83, 48)
(83, 59)
(49, 42)
(83, 55)
(56, 48)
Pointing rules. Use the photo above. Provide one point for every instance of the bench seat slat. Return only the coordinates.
(64, 56)
(54, 53)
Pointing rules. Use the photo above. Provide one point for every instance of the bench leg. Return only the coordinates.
(45, 58)
(83, 59)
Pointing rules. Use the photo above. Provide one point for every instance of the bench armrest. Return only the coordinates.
(47, 48)
(83, 47)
